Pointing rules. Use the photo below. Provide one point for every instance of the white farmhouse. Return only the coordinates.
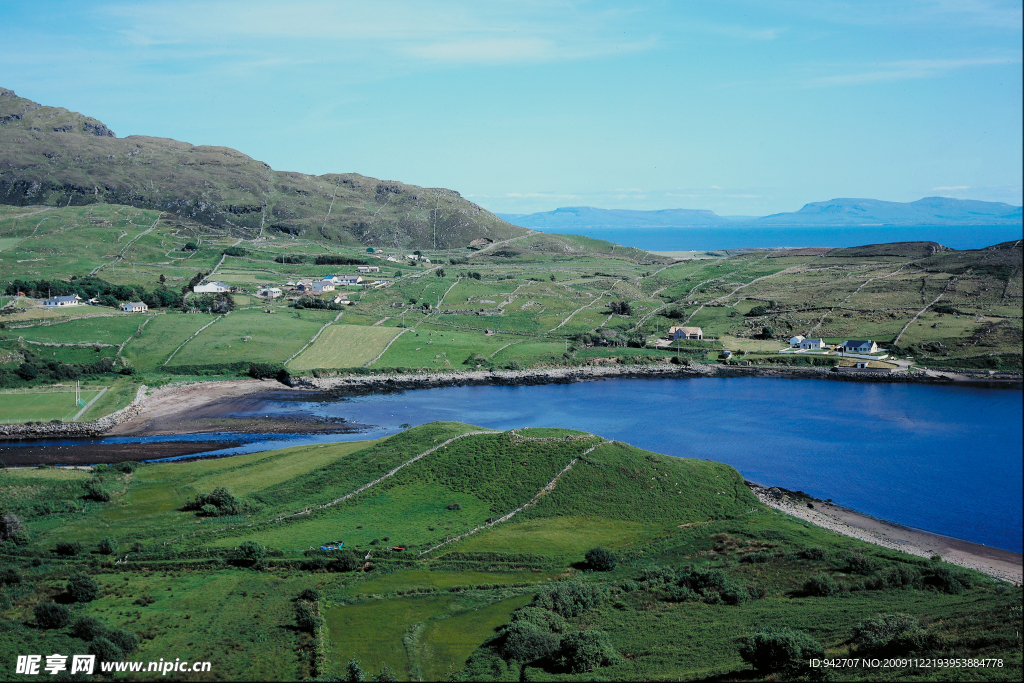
(269, 292)
(813, 344)
(134, 307)
(211, 288)
(61, 301)
(345, 280)
(860, 346)
(368, 269)
(794, 342)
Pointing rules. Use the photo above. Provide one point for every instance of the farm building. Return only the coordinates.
(60, 301)
(368, 269)
(794, 342)
(269, 292)
(859, 346)
(211, 288)
(343, 300)
(678, 332)
(813, 344)
(134, 307)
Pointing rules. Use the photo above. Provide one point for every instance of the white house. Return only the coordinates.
(368, 269)
(61, 301)
(343, 300)
(269, 292)
(794, 342)
(860, 346)
(322, 286)
(392, 259)
(678, 332)
(813, 344)
(134, 307)
(211, 288)
(345, 280)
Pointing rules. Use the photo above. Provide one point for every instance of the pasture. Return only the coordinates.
(344, 346)
(251, 335)
(43, 405)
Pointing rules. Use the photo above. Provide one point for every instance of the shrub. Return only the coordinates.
(569, 598)
(9, 575)
(222, 502)
(107, 546)
(946, 580)
(126, 466)
(51, 615)
(813, 553)
(68, 548)
(251, 552)
(900, 576)
(10, 526)
(539, 617)
(338, 261)
(309, 595)
(344, 561)
(234, 251)
(83, 588)
(757, 311)
(95, 491)
(453, 506)
(305, 618)
(263, 370)
(315, 564)
(124, 640)
(821, 585)
(860, 564)
(526, 642)
(105, 650)
(772, 649)
(88, 628)
(887, 634)
(601, 560)
(587, 650)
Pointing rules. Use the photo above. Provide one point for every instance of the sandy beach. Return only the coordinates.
(1001, 564)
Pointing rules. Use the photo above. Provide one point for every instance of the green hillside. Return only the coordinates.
(218, 560)
(54, 157)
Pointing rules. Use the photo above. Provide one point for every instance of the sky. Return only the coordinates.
(741, 107)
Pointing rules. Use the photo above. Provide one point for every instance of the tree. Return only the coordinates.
(305, 618)
(251, 552)
(821, 585)
(587, 650)
(767, 332)
(353, 673)
(83, 588)
(108, 545)
(439, 272)
(68, 548)
(10, 526)
(526, 642)
(309, 595)
(384, 674)
(344, 561)
(51, 615)
(601, 560)
(887, 634)
(105, 650)
(552, 277)
(89, 628)
(124, 640)
(771, 649)
(9, 576)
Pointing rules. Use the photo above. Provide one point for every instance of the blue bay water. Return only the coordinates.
(946, 459)
(750, 237)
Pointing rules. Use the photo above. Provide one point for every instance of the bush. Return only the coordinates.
(813, 553)
(126, 466)
(9, 575)
(315, 564)
(772, 649)
(69, 548)
(51, 615)
(222, 502)
(10, 526)
(344, 561)
(587, 650)
(526, 642)
(251, 552)
(105, 650)
(88, 628)
(453, 506)
(569, 598)
(900, 576)
(263, 370)
(95, 491)
(107, 546)
(887, 634)
(946, 580)
(290, 258)
(821, 585)
(757, 311)
(125, 641)
(600, 560)
(860, 564)
(83, 588)
(309, 595)
(234, 251)
(539, 617)
(338, 261)
(305, 618)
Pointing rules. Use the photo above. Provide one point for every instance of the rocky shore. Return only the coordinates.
(1001, 564)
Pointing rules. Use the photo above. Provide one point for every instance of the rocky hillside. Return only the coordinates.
(52, 156)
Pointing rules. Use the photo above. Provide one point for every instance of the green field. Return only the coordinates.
(344, 346)
(43, 405)
(186, 588)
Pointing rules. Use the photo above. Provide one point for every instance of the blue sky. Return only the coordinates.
(739, 107)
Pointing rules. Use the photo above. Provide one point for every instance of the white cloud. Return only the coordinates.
(908, 69)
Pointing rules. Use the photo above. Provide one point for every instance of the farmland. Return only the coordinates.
(540, 301)
(220, 583)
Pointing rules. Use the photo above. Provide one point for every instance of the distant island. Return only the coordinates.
(936, 211)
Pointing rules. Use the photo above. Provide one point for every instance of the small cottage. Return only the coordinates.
(794, 342)
(211, 288)
(679, 332)
(813, 344)
(134, 307)
(368, 269)
(322, 286)
(860, 346)
(61, 301)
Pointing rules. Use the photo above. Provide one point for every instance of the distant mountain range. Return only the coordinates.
(836, 212)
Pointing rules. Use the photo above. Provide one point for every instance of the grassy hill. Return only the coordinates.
(495, 527)
(54, 157)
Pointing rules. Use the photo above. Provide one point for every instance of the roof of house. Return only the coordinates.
(799, 336)
(858, 342)
(133, 304)
(73, 297)
(685, 330)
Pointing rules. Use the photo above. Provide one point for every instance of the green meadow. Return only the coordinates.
(700, 565)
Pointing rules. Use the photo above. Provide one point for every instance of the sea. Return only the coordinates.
(750, 237)
(945, 459)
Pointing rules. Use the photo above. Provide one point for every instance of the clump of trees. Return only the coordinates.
(316, 304)
(106, 293)
(234, 251)
(621, 308)
(218, 503)
(332, 260)
(290, 258)
(221, 302)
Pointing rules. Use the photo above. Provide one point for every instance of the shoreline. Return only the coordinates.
(1001, 564)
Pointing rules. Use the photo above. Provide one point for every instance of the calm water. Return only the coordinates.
(943, 459)
(740, 237)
